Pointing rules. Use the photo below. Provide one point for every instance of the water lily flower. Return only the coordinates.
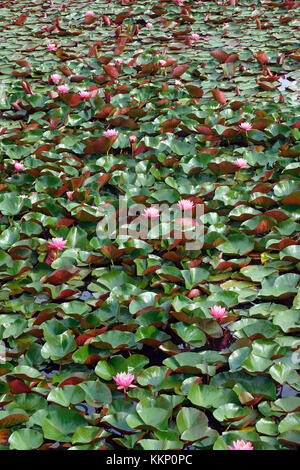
(111, 133)
(194, 293)
(149, 25)
(55, 77)
(52, 47)
(185, 204)
(118, 60)
(217, 311)
(241, 445)
(241, 162)
(19, 166)
(69, 194)
(162, 62)
(57, 243)
(89, 13)
(84, 94)
(195, 36)
(246, 126)
(132, 139)
(54, 246)
(63, 88)
(178, 83)
(124, 380)
(151, 212)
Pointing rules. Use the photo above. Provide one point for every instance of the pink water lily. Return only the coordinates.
(241, 162)
(118, 60)
(217, 311)
(55, 77)
(162, 62)
(63, 88)
(241, 445)
(19, 166)
(149, 25)
(52, 47)
(57, 243)
(111, 133)
(185, 204)
(246, 126)
(123, 379)
(195, 36)
(194, 293)
(178, 83)
(84, 94)
(89, 13)
(132, 139)
(151, 212)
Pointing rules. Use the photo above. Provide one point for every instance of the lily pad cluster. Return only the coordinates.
(157, 102)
